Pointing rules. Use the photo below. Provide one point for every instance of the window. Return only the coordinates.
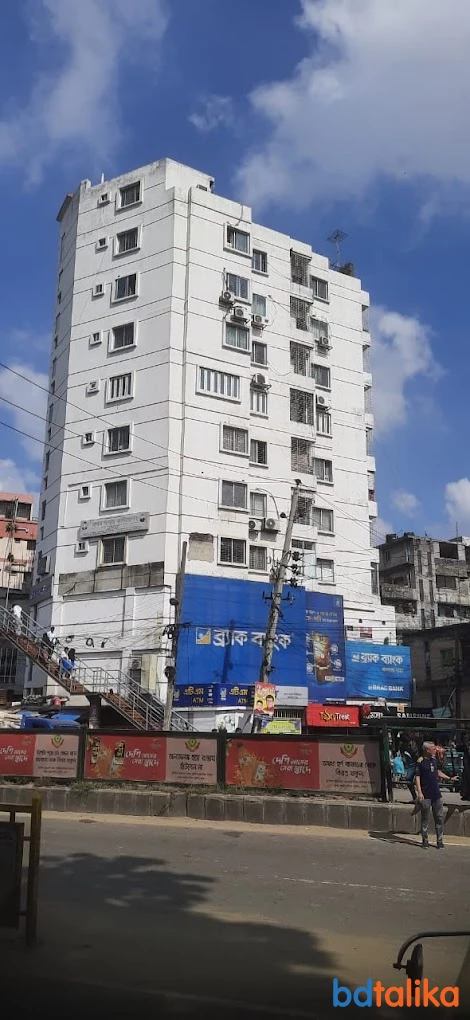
(233, 494)
(258, 401)
(374, 578)
(47, 460)
(59, 297)
(299, 311)
(320, 330)
(447, 656)
(304, 512)
(113, 550)
(322, 376)
(259, 261)
(323, 469)
(123, 336)
(233, 550)
(118, 439)
(301, 455)
(319, 288)
(366, 365)
(129, 195)
(372, 535)
(258, 504)
(365, 318)
(238, 285)
(323, 519)
(371, 484)
(30, 544)
(300, 358)
(128, 240)
(258, 452)
(84, 492)
(50, 413)
(98, 290)
(120, 386)
(259, 305)
(53, 387)
(444, 581)
(62, 246)
(325, 570)
(368, 399)
(125, 287)
(43, 509)
(259, 353)
(236, 336)
(239, 240)
(221, 384)
(369, 442)
(57, 322)
(115, 495)
(88, 439)
(323, 422)
(306, 553)
(258, 557)
(299, 266)
(234, 440)
(301, 407)
(95, 339)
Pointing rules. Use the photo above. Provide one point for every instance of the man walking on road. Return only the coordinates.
(428, 792)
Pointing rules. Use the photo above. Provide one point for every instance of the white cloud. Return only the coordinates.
(214, 112)
(30, 415)
(383, 93)
(457, 497)
(401, 352)
(16, 479)
(381, 529)
(406, 502)
(77, 106)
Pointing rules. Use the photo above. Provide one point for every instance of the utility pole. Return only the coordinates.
(11, 528)
(173, 631)
(276, 594)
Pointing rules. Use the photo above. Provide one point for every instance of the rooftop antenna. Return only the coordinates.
(337, 238)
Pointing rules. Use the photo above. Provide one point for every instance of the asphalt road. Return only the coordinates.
(219, 920)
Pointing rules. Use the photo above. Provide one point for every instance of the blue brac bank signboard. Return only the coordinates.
(378, 671)
(223, 623)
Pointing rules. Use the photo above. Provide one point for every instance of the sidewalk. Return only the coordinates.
(260, 808)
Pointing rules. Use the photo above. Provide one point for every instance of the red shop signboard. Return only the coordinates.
(265, 763)
(332, 715)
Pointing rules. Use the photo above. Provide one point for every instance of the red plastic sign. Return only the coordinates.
(332, 715)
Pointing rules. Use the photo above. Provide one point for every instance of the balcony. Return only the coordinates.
(399, 591)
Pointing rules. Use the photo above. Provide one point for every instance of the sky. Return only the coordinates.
(321, 114)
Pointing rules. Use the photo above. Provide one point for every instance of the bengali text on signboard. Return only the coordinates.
(282, 764)
(349, 766)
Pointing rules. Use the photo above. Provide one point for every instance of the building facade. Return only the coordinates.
(200, 364)
(440, 663)
(18, 533)
(426, 581)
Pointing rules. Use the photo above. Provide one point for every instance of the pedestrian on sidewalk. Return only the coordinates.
(428, 793)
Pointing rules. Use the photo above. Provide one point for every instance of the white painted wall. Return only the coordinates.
(176, 466)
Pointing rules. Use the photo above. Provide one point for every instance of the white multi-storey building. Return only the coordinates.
(200, 363)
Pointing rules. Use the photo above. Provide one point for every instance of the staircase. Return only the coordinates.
(141, 708)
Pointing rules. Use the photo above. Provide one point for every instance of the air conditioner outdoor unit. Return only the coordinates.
(323, 341)
(253, 525)
(322, 401)
(227, 297)
(271, 524)
(104, 198)
(136, 662)
(239, 312)
(259, 380)
(259, 320)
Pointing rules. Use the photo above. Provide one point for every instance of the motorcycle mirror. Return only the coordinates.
(415, 964)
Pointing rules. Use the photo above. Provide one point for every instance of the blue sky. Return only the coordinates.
(320, 113)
